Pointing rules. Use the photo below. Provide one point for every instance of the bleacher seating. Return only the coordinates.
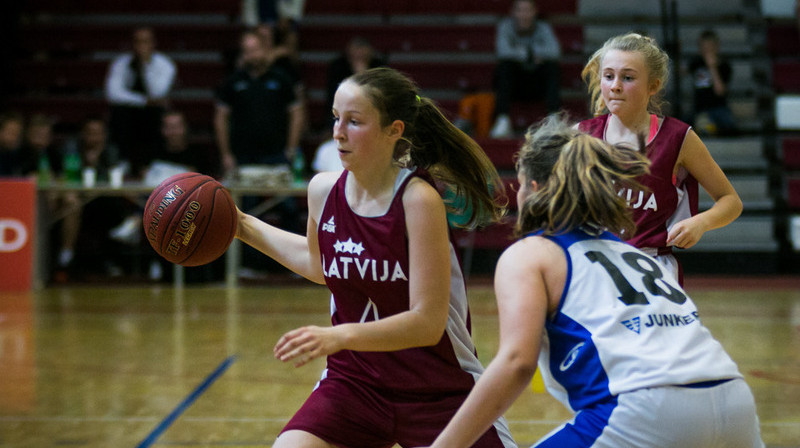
(426, 7)
(447, 47)
(228, 7)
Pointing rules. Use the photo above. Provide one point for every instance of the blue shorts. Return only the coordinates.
(347, 414)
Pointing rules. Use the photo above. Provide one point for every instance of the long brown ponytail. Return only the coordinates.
(432, 142)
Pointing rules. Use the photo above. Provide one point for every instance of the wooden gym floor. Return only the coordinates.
(139, 367)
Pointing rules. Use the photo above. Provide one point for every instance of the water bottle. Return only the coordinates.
(298, 167)
(43, 170)
(72, 167)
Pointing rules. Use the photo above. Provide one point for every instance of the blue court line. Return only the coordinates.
(169, 419)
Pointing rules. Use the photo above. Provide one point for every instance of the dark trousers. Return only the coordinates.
(513, 82)
(137, 133)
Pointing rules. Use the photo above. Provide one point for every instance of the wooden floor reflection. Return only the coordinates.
(101, 367)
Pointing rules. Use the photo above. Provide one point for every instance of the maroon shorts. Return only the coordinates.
(348, 415)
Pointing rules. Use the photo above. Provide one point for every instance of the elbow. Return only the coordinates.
(431, 332)
(735, 205)
(738, 206)
(520, 366)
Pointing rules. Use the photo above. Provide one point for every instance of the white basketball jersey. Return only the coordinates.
(623, 324)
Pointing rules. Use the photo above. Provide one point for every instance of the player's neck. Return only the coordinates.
(370, 191)
(628, 128)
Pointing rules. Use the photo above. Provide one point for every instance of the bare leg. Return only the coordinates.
(71, 224)
(300, 439)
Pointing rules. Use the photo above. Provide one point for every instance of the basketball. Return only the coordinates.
(190, 219)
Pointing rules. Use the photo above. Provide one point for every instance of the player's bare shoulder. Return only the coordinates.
(419, 193)
(319, 187)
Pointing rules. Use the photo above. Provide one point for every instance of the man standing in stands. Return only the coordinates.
(527, 64)
(258, 117)
(137, 88)
(258, 121)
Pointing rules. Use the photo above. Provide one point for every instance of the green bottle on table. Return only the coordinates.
(72, 167)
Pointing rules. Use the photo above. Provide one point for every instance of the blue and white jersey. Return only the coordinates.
(623, 324)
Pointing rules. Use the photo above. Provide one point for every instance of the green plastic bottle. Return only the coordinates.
(43, 170)
(299, 167)
(72, 167)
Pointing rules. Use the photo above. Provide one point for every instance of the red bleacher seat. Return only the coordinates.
(57, 38)
(80, 74)
(783, 40)
(431, 38)
(793, 192)
(397, 38)
(501, 152)
(791, 153)
(786, 75)
(524, 114)
(229, 7)
(422, 7)
(71, 110)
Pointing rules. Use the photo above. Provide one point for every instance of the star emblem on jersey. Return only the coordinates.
(633, 324)
(348, 247)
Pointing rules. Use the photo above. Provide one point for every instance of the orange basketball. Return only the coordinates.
(190, 219)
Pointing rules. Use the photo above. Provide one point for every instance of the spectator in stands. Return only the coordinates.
(258, 121)
(258, 118)
(137, 87)
(177, 153)
(711, 74)
(11, 127)
(86, 228)
(281, 41)
(358, 56)
(38, 154)
(528, 54)
(176, 146)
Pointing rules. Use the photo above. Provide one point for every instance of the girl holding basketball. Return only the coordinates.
(400, 359)
(626, 80)
(617, 339)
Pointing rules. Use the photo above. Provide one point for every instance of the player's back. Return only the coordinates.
(623, 324)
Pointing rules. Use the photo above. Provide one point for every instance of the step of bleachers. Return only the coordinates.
(59, 39)
(735, 39)
(753, 190)
(739, 153)
(634, 9)
(70, 110)
(787, 112)
(429, 37)
(82, 75)
(746, 234)
(227, 7)
(443, 7)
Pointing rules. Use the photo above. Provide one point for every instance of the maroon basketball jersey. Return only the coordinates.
(365, 264)
(670, 198)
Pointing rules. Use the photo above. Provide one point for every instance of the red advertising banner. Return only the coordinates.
(17, 227)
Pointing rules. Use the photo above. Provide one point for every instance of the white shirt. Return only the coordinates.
(159, 76)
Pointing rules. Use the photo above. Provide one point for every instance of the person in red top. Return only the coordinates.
(400, 359)
(626, 79)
